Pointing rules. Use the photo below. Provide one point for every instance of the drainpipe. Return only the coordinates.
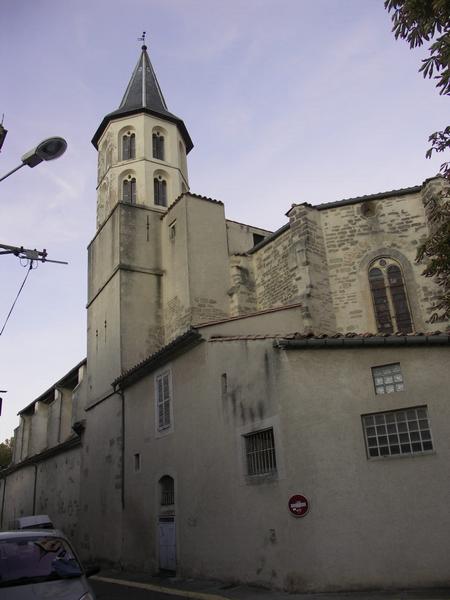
(3, 501)
(35, 487)
(122, 396)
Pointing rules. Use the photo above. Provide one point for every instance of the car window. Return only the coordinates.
(36, 558)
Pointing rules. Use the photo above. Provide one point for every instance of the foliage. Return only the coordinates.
(417, 22)
(436, 249)
(5, 453)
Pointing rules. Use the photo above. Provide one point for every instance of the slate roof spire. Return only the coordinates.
(143, 91)
(143, 94)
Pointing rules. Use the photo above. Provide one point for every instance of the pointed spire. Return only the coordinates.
(143, 91)
(143, 94)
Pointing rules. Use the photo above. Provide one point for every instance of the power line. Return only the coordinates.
(18, 294)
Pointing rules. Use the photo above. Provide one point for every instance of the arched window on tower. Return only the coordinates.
(158, 146)
(160, 191)
(129, 190)
(128, 146)
(389, 297)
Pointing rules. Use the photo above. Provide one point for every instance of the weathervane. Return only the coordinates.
(142, 39)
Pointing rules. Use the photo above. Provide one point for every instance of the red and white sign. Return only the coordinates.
(298, 505)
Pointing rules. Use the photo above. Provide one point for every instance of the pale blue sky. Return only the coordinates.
(286, 101)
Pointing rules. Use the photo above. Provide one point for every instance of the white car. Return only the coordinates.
(41, 564)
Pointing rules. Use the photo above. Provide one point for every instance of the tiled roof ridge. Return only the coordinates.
(310, 335)
(376, 196)
(247, 225)
(353, 334)
(190, 335)
(198, 196)
(51, 389)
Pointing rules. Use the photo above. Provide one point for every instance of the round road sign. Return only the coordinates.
(298, 505)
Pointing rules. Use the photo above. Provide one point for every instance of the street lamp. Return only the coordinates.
(48, 149)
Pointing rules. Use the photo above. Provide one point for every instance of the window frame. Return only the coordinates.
(376, 373)
(257, 461)
(389, 294)
(128, 148)
(399, 427)
(131, 194)
(160, 191)
(158, 146)
(167, 423)
(167, 492)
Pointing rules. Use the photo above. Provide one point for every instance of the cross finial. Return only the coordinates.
(142, 39)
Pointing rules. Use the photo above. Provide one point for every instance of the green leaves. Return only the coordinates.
(435, 252)
(419, 21)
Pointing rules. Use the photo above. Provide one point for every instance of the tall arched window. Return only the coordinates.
(389, 298)
(160, 191)
(128, 146)
(158, 146)
(167, 489)
(129, 190)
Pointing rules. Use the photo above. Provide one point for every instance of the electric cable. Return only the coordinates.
(18, 294)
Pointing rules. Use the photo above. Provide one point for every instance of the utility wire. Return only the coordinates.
(18, 294)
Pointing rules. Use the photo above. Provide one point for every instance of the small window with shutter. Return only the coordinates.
(163, 401)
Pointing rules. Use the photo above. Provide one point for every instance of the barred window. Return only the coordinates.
(388, 379)
(167, 489)
(260, 452)
(163, 400)
(397, 432)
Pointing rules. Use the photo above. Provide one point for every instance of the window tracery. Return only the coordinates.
(128, 146)
(390, 301)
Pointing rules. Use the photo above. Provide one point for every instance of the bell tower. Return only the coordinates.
(142, 169)
(142, 148)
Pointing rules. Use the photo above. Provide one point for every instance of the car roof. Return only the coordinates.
(27, 533)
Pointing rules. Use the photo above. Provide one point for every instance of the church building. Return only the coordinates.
(257, 407)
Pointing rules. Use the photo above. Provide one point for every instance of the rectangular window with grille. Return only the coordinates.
(260, 452)
(388, 379)
(398, 432)
(163, 401)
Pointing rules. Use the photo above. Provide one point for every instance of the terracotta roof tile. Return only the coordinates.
(198, 196)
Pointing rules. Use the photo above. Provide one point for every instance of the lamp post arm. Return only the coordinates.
(11, 172)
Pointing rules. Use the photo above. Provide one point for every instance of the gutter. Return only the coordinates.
(362, 342)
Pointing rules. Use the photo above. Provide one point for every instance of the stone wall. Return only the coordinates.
(276, 274)
(49, 486)
(356, 234)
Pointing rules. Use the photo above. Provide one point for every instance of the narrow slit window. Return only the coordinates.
(137, 463)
